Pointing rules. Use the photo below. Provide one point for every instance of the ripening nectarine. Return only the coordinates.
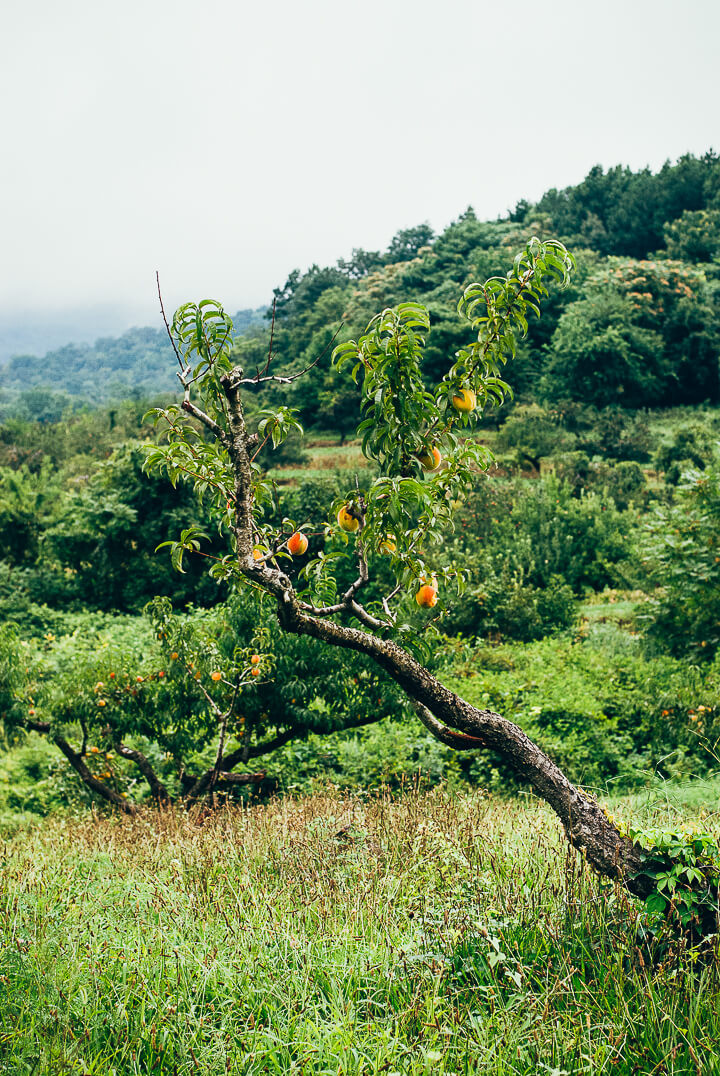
(388, 546)
(426, 596)
(430, 458)
(297, 544)
(464, 400)
(347, 520)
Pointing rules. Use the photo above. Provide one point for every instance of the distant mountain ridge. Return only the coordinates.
(138, 362)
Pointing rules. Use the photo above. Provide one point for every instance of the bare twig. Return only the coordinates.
(272, 337)
(164, 317)
(386, 604)
(280, 380)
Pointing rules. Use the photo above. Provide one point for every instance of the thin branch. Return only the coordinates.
(157, 788)
(280, 380)
(347, 602)
(260, 447)
(354, 608)
(392, 617)
(242, 754)
(360, 612)
(460, 741)
(194, 410)
(272, 337)
(167, 327)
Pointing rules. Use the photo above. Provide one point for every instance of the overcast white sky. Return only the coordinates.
(227, 142)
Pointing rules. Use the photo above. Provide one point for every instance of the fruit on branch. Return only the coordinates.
(388, 546)
(430, 458)
(255, 671)
(426, 597)
(255, 659)
(259, 553)
(216, 676)
(297, 544)
(347, 520)
(464, 400)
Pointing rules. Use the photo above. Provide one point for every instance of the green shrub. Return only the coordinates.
(680, 551)
(533, 432)
(503, 605)
(540, 531)
(691, 449)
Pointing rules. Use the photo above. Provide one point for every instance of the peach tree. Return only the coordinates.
(418, 439)
(179, 708)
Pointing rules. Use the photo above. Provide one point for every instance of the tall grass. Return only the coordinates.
(335, 935)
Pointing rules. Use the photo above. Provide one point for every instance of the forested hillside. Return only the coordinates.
(640, 327)
(137, 364)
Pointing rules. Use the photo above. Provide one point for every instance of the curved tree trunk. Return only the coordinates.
(586, 824)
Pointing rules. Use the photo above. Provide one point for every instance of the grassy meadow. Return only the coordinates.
(379, 904)
(426, 933)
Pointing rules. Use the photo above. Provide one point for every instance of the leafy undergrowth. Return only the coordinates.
(334, 935)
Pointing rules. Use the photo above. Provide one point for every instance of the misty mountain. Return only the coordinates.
(140, 362)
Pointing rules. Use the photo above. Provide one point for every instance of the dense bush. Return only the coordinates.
(532, 433)
(643, 333)
(691, 448)
(680, 551)
(93, 546)
(539, 531)
(623, 483)
(502, 605)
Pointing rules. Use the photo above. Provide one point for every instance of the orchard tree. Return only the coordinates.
(419, 437)
(183, 708)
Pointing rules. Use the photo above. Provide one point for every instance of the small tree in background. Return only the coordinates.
(167, 709)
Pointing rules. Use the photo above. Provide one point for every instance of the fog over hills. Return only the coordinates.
(33, 333)
(95, 366)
